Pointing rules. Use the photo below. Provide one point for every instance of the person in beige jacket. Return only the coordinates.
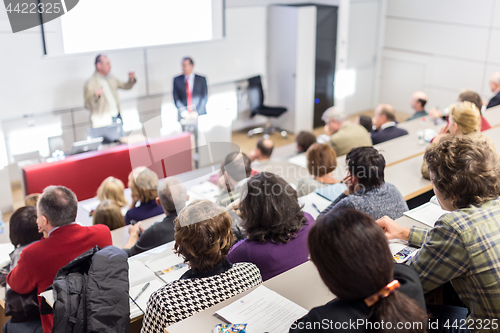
(101, 93)
(464, 120)
(344, 134)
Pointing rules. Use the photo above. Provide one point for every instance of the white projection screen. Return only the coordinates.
(98, 25)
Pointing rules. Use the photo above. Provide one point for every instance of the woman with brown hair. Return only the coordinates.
(144, 183)
(203, 238)
(275, 225)
(464, 120)
(109, 214)
(321, 162)
(353, 259)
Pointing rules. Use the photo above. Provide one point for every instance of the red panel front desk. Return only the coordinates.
(83, 173)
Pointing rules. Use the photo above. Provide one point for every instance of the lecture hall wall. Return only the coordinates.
(439, 47)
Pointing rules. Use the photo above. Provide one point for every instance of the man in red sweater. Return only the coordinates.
(65, 240)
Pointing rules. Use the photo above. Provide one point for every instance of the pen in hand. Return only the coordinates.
(140, 292)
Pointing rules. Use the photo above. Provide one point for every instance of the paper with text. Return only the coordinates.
(264, 311)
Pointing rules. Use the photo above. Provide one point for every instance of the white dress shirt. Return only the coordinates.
(387, 124)
(110, 97)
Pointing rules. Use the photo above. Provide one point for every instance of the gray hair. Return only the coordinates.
(59, 205)
(172, 194)
(495, 77)
(332, 113)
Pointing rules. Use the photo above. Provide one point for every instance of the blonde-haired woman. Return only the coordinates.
(143, 183)
(464, 120)
(112, 189)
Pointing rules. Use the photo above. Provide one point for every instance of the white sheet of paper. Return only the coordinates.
(49, 297)
(435, 201)
(139, 273)
(91, 205)
(206, 190)
(264, 311)
(316, 199)
(193, 196)
(428, 213)
(5, 250)
(142, 301)
(300, 160)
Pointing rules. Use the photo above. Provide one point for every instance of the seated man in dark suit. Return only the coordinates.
(495, 88)
(384, 124)
(172, 197)
(190, 91)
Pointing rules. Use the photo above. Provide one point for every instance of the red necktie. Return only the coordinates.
(189, 96)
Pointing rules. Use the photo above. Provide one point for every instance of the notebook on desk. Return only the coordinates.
(427, 213)
(143, 282)
(331, 192)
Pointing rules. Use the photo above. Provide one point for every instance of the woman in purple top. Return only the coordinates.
(276, 226)
(143, 183)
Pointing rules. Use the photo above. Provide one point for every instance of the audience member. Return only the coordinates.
(22, 308)
(321, 162)
(234, 174)
(367, 190)
(263, 152)
(304, 140)
(474, 98)
(172, 197)
(112, 188)
(66, 240)
(211, 279)
(344, 134)
(275, 225)
(143, 183)
(364, 121)
(31, 199)
(465, 95)
(495, 88)
(417, 102)
(464, 120)
(109, 214)
(464, 245)
(384, 124)
(369, 286)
